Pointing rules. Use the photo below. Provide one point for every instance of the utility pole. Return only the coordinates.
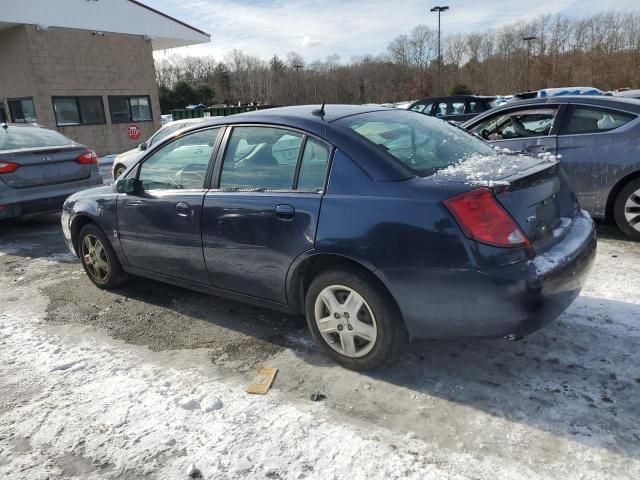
(297, 67)
(439, 10)
(528, 39)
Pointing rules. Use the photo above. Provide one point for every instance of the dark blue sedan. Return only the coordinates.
(380, 225)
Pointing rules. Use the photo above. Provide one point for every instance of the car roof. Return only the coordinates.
(183, 120)
(21, 125)
(332, 112)
(601, 100)
(635, 93)
(300, 116)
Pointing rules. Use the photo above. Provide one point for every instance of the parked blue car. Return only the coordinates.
(377, 224)
(597, 138)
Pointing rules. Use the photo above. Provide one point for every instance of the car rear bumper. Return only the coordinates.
(512, 300)
(16, 202)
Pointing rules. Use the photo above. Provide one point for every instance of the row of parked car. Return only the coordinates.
(597, 138)
(367, 220)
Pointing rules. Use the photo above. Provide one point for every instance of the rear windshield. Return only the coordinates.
(421, 143)
(13, 138)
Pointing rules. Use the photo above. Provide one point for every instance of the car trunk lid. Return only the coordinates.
(533, 190)
(44, 166)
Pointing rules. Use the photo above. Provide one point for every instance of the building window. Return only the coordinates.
(22, 110)
(78, 111)
(130, 109)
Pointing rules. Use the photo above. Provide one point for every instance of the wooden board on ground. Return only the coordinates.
(263, 381)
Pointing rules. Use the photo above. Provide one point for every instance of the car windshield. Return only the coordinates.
(164, 133)
(422, 144)
(14, 138)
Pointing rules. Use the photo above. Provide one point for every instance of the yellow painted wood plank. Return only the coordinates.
(263, 381)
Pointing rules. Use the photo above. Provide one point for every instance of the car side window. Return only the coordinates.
(517, 124)
(424, 107)
(181, 164)
(474, 107)
(593, 120)
(313, 168)
(449, 108)
(262, 158)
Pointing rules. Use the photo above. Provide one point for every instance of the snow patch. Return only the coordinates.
(134, 410)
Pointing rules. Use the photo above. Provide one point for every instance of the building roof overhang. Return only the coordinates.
(116, 16)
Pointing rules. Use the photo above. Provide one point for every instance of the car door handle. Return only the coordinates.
(286, 212)
(183, 209)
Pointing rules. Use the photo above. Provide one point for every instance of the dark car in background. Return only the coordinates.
(597, 139)
(457, 108)
(375, 223)
(40, 168)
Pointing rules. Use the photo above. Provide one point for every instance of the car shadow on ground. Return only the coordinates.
(34, 236)
(579, 378)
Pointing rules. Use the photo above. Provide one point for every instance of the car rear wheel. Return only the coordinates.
(98, 258)
(626, 210)
(353, 319)
(119, 170)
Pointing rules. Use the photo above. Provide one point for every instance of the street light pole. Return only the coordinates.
(297, 66)
(528, 39)
(439, 10)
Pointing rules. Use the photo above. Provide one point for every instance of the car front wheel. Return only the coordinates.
(98, 258)
(353, 319)
(626, 210)
(119, 170)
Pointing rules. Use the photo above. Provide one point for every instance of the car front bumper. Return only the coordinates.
(512, 300)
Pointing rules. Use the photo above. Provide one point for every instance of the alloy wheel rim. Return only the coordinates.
(345, 321)
(632, 210)
(95, 258)
(120, 171)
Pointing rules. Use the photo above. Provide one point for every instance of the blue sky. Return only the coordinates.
(317, 28)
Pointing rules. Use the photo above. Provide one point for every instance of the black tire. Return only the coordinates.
(117, 171)
(390, 331)
(630, 191)
(115, 275)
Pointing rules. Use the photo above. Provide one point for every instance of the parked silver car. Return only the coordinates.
(124, 160)
(40, 168)
(597, 138)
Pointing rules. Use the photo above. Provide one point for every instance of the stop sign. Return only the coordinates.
(133, 132)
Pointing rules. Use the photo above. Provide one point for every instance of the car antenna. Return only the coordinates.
(319, 112)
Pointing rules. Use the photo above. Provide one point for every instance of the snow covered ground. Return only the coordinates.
(145, 382)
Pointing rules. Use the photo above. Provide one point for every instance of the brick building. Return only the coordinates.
(85, 67)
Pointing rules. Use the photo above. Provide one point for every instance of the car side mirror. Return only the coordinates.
(143, 146)
(130, 186)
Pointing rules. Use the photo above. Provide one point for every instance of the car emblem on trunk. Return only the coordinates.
(531, 218)
(47, 159)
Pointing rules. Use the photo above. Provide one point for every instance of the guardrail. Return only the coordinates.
(182, 113)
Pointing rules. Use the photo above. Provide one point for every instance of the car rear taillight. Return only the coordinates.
(8, 167)
(87, 158)
(483, 219)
